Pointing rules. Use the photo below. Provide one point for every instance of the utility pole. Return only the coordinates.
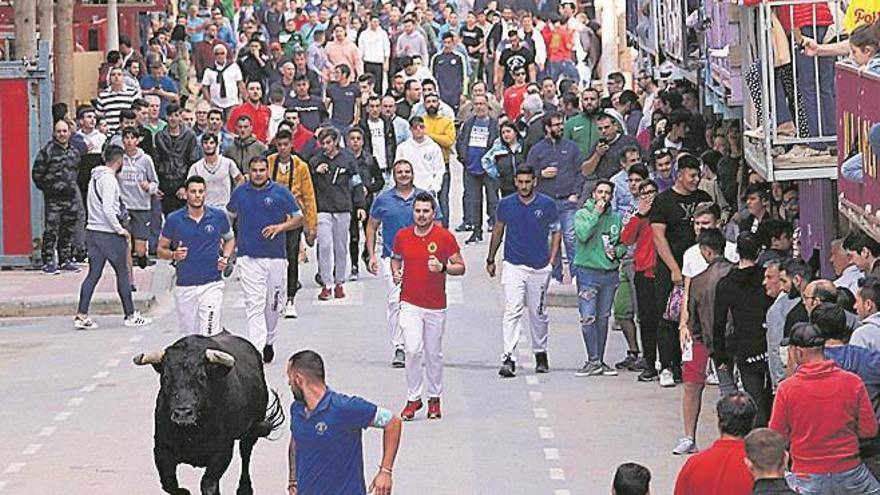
(25, 44)
(64, 77)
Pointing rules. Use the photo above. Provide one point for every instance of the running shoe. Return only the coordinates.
(647, 376)
(70, 267)
(136, 320)
(541, 365)
(434, 408)
(50, 269)
(83, 322)
(608, 370)
(409, 412)
(290, 309)
(686, 445)
(399, 359)
(325, 294)
(268, 353)
(666, 379)
(589, 369)
(508, 369)
(338, 292)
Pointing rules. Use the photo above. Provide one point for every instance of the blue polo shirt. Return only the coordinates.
(329, 450)
(395, 212)
(165, 84)
(256, 209)
(202, 240)
(527, 228)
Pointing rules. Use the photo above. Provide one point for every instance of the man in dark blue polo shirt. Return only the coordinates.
(393, 210)
(264, 210)
(557, 163)
(528, 218)
(326, 450)
(196, 231)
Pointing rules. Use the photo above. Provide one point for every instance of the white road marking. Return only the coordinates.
(100, 375)
(112, 363)
(546, 432)
(62, 416)
(76, 401)
(89, 388)
(15, 467)
(32, 449)
(532, 380)
(136, 338)
(551, 454)
(561, 492)
(557, 474)
(540, 413)
(536, 396)
(48, 431)
(454, 292)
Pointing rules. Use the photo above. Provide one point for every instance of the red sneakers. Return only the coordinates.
(434, 408)
(325, 294)
(338, 292)
(409, 412)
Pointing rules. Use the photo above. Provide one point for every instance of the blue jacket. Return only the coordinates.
(863, 362)
(566, 157)
(464, 135)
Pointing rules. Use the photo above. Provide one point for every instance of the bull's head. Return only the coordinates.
(185, 377)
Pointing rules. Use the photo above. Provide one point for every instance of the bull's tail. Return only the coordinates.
(274, 418)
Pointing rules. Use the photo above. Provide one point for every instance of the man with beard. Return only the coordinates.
(254, 62)
(604, 157)
(442, 130)
(477, 135)
(198, 292)
(379, 136)
(333, 463)
(218, 172)
(265, 211)
(581, 128)
(245, 146)
(253, 108)
(176, 149)
(528, 218)
(795, 275)
(372, 183)
(513, 58)
(775, 319)
(401, 126)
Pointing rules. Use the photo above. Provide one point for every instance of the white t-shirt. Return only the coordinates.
(231, 76)
(218, 180)
(377, 134)
(694, 263)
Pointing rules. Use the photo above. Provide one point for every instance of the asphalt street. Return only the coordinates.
(77, 414)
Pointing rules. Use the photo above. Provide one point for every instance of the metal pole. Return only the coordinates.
(112, 25)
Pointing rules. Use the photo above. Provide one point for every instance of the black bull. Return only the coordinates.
(212, 392)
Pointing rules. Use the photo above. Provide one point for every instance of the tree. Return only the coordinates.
(25, 29)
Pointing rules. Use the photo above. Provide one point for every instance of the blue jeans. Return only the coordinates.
(596, 290)
(806, 83)
(856, 480)
(853, 168)
(566, 210)
(564, 68)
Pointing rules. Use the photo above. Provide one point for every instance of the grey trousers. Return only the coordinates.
(333, 246)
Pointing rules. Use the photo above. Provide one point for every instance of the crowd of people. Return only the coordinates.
(236, 136)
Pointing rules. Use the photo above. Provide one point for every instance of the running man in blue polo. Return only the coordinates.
(530, 221)
(196, 232)
(264, 210)
(393, 210)
(326, 454)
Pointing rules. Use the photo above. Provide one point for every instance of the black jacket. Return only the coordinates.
(533, 132)
(742, 295)
(55, 171)
(776, 486)
(464, 135)
(372, 179)
(174, 155)
(339, 189)
(390, 139)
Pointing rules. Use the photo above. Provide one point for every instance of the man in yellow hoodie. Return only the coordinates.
(290, 170)
(442, 130)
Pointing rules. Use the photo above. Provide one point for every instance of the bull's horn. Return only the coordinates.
(219, 357)
(149, 358)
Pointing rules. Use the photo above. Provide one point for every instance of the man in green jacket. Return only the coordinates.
(597, 259)
(581, 128)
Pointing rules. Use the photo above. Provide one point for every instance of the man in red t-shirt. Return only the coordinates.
(721, 469)
(514, 95)
(254, 109)
(423, 254)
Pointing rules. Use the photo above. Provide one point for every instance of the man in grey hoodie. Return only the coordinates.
(107, 240)
(868, 307)
(137, 183)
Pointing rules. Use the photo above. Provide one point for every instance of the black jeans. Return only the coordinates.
(473, 197)
(293, 240)
(646, 302)
(756, 382)
(354, 240)
(378, 72)
(667, 331)
(443, 198)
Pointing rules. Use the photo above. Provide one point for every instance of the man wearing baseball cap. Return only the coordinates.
(823, 412)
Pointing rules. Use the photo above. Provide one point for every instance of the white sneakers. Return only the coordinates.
(136, 320)
(686, 445)
(666, 379)
(290, 309)
(83, 322)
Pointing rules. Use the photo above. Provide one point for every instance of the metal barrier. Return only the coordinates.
(799, 88)
(722, 37)
(857, 113)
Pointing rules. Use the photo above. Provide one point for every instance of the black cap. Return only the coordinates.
(804, 335)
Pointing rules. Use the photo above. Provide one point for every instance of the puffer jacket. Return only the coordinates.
(55, 171)
(500, 163)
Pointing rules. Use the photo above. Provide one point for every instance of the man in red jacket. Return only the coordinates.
(823, 412)
(721, 469)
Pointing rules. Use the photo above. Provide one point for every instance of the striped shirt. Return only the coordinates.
(111, 103)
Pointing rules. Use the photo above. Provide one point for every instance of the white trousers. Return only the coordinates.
(198, 308)
(393, 305)
(524, 287)
(423, 339)
(333, 246)
(264, 283)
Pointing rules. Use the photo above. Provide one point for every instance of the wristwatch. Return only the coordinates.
(490, 261)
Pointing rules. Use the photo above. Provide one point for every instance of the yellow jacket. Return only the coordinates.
(301, 187)
(442, 131)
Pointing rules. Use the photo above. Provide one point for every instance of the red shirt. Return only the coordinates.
(560, 43)
(513, 99)
(301, 136)
(718, 470)
(823, 411)
(259, 118)
(421, 287)
(638, 231)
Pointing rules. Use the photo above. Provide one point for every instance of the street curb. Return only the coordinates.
(562, 296)
(102, 304)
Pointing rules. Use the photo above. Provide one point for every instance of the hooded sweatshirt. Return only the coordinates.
(135, 170)
(103, 201)
(741, 294)
(593, 230)
(868, 333)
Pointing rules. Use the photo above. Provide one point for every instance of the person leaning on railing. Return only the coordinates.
(864, 45)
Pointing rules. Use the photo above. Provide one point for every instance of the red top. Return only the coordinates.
(421, 287)
(718, 470)
(301, 136)
(823, 411)
(801, 14)
(638, 231)
(560, 42)
(513, 98)
(259, 118)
